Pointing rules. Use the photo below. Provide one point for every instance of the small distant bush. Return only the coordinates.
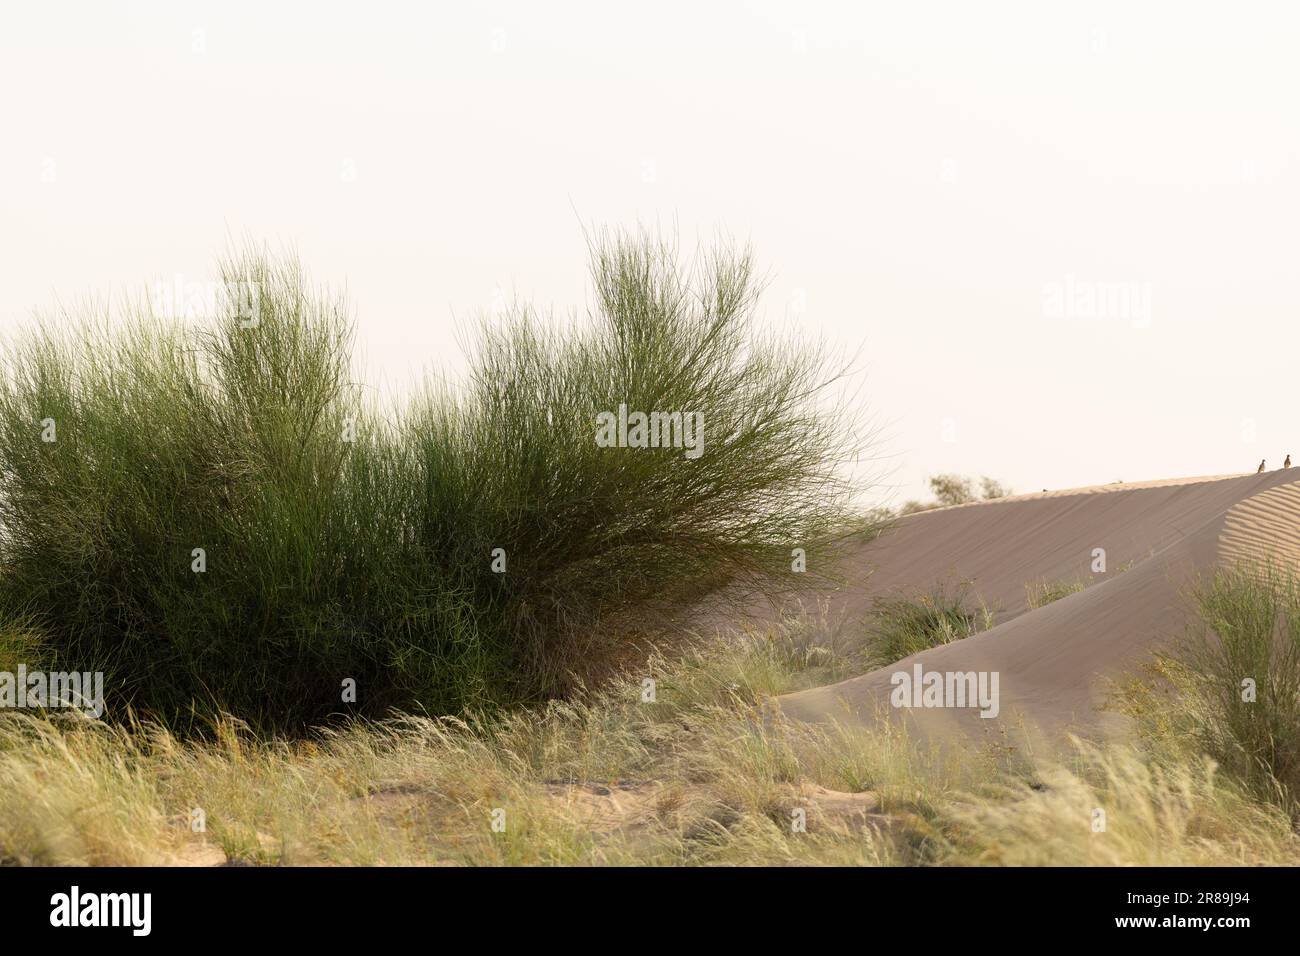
(952, 490)
(993, 489)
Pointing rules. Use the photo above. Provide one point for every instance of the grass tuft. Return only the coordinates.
(907, 623)
(1041, 593)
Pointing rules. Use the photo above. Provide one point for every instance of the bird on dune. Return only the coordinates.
(1261, 466)
(1287, 463)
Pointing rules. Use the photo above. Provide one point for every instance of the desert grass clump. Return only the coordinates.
(217, 517)
(1041, 593)
(79, 793)
(1117, 806)
(1230, 687)
(904, 624)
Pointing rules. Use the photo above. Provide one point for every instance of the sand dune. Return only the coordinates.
(1156, 535)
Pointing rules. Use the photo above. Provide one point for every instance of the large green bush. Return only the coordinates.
(372, 559)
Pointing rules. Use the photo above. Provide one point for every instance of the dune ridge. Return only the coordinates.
(1157, 537)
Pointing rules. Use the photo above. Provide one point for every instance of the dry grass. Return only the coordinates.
(705, 774)
(1119, 807)
(701, 774)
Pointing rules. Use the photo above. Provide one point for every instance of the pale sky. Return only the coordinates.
(946, 189)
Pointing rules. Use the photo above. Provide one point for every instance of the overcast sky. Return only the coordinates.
(1064, 241)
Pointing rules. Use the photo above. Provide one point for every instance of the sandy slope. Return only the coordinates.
(1049, 660)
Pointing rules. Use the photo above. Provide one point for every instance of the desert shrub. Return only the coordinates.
(1230, 688)
(906, 623)
(344, 541)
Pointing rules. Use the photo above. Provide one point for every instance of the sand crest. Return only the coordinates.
(1157, 536)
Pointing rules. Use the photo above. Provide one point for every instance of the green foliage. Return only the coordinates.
(370, 559)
